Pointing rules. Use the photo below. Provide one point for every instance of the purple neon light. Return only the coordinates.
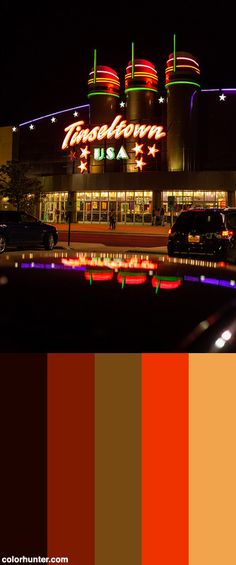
(218, 90)
(219, 282)
(190, 278)
(53, 266)
(55, 114)
(191, 102)
(209, 280)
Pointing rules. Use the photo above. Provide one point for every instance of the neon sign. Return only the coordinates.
(75, 134)
(99, 153)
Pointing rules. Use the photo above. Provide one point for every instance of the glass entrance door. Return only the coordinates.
(87, 215)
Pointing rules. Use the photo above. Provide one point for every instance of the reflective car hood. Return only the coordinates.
(98, 302)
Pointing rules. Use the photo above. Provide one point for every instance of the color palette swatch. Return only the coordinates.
(119, 458)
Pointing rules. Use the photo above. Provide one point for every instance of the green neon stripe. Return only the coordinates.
(167, 278)
(105, 93)
(132, 60)
(95, 66)
(174, 50)
(157, 287)
(182, 82)
(134, 274)
(140, 88)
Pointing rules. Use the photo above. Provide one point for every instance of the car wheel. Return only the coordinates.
(3, 243)
(49, 242)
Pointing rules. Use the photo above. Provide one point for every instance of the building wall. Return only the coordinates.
(156, 181)
(216, 141)
(6, 144)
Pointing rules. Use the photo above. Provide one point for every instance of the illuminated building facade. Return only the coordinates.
(133, 146)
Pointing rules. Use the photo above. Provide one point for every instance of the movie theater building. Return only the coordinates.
(133, 147)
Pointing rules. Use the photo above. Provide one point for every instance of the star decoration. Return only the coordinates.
(152, 150)
(75, 114)
(82, 167)
(122, 104)
(161, 100)
(31, 126)
(140, 163)
(53, 120)
(222, 97)
(14, 129)
(137, 148)
(84, 152)
(72, 155)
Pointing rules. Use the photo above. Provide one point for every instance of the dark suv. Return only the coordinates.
(206, 232)
(22, 229)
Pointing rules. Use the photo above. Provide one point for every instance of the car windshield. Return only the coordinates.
(199, 221)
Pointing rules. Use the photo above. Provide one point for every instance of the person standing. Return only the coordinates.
(158, 217)
(114, 220)
(162, 216)
(57, 215)
(111, 219)
(153, 216)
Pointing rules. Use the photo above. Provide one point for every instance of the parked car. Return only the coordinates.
(206, 232)
(22, 229)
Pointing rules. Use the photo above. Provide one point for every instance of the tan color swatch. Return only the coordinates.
(117, 459)
(212, 459)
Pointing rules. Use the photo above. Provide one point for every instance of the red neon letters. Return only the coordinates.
(119, 128)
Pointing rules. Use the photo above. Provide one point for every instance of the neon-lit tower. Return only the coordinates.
(182, 84)
(141, 97)
(104, 87)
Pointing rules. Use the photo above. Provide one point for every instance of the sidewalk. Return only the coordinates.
(120, 228)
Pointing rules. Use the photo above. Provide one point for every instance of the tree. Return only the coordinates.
(22, 190)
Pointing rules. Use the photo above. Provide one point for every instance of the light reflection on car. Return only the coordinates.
(111, 302)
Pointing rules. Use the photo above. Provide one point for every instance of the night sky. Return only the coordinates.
(49, 51)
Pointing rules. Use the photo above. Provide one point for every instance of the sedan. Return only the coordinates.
(22, 229)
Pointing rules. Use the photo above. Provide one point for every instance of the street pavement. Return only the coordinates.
(77, 246)
(138, 238)
(120, 228)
